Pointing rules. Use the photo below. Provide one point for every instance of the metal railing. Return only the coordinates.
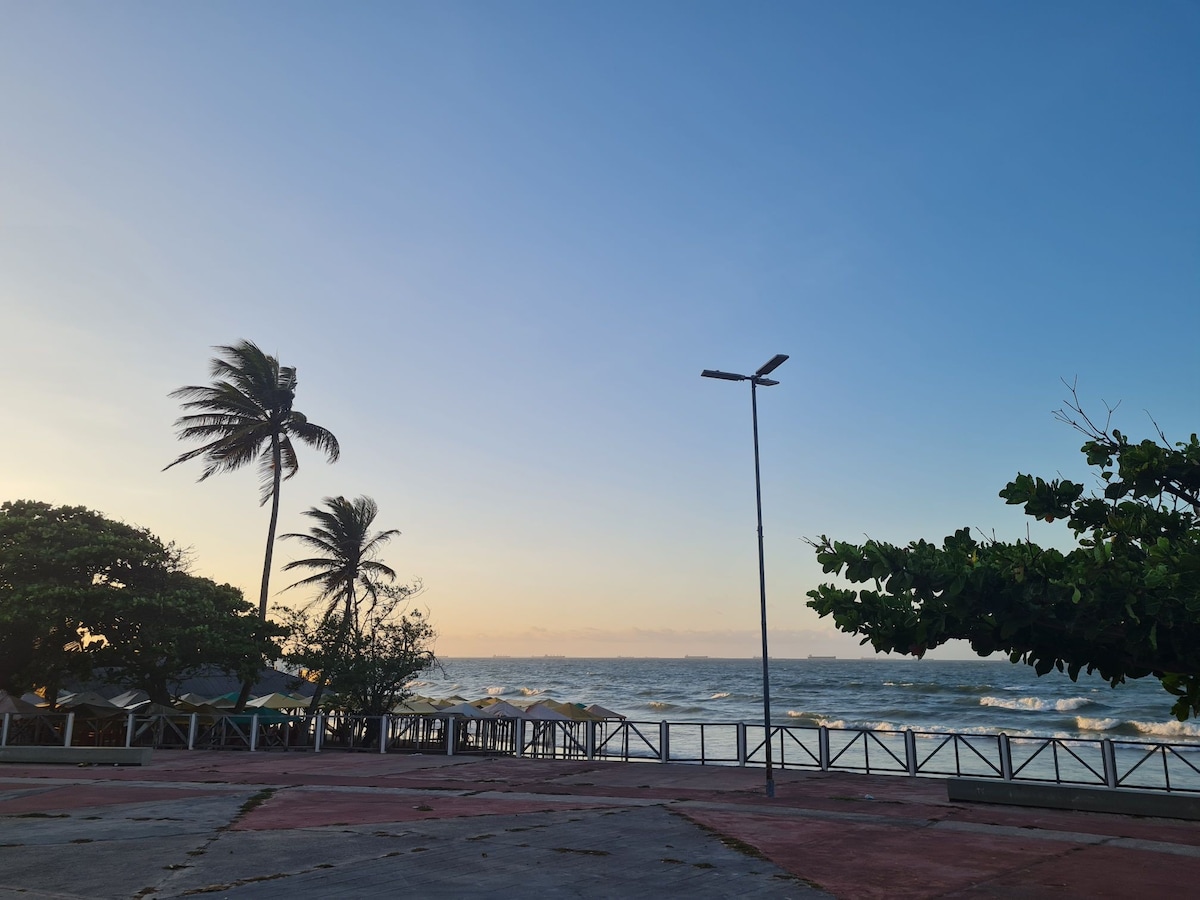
(1099, 762)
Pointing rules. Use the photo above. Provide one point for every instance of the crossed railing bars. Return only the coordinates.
(1101, 762)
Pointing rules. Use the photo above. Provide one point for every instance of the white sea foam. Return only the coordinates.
(1168, 729)
(1036, 704)
(720, 695)
(495, 691)
(531, 692)
(660, 704)
(1083, 723)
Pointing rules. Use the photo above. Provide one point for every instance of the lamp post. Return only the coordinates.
(757, 380)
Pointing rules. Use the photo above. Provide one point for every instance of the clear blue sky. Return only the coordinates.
(500, 241)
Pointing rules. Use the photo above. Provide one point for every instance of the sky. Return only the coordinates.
(499, 242)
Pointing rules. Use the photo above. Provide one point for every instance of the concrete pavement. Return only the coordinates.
(266, 825)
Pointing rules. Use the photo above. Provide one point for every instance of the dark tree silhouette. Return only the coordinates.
(246, 416)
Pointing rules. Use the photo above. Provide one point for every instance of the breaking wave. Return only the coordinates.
(1036, 704)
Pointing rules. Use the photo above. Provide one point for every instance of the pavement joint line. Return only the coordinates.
(227, 786)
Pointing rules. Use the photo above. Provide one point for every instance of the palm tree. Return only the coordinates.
(346, 564)
(246, 416)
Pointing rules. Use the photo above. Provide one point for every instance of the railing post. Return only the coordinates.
(741, 743)
(384, 726)
(450, 729)
(254, 732)
(520, 736)
(319, 721)
(4, 730)
(1006, 770)
(590, 738)
(1108, 753)
(823, 747)
(664, 741)
(129, 731)
(910, 751)
(70, 729)
(192, 731)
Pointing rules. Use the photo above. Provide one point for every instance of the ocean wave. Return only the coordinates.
(495, 691)
(1083, 723)
(1168, 729)
(1036, 704)
(660, 704)
(532, 692)
(720, 695)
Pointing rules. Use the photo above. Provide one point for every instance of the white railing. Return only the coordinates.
(1101, 762)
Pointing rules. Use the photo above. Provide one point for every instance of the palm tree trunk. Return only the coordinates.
(264, 592)
(276, 465)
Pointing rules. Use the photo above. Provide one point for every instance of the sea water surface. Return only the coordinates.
(968, 697)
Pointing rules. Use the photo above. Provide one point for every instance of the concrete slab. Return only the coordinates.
(270, 824)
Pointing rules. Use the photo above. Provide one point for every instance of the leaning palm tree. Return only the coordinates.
(346, 571)
(345, 568)
(246, 416)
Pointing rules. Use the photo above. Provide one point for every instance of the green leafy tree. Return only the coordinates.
(57, 566)
(369, 664)
(156, 638)
(1124, 603)
(80, 591)
(246, 416)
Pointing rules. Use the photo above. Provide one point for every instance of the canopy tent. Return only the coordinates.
(279, 701)
(573, 711)
(462, 709)
(130, 699)
(544, 713)
(597, 710)
(11, 704)
(415, 707)
(502, 709)
(90, 699)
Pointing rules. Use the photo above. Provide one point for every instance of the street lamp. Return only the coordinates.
(757, 380)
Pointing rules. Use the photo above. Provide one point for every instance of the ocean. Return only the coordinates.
(967, 697)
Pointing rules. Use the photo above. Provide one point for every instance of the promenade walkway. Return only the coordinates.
(297, 825)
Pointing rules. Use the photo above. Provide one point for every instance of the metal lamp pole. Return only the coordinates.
(757, 380)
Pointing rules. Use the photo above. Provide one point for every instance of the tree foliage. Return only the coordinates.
(366, 663)
(79, 591)
(1124, 603)
(345, 566)
(246, 416)
(358, 643)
